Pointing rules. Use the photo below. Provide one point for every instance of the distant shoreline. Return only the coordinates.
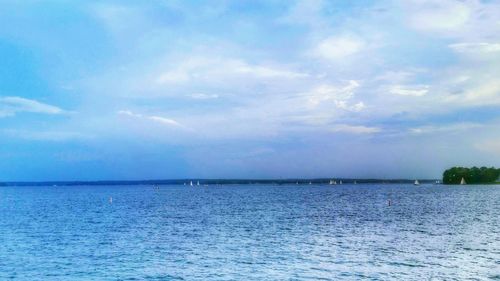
(216, 182)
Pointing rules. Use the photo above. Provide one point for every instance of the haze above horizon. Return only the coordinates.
(247, 89)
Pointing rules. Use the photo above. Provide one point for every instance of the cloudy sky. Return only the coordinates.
(247, 89)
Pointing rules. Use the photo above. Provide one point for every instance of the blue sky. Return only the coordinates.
(247, 89)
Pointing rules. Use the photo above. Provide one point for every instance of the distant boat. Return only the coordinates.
(416, 182)
(355, 182)
(340, 182)
(462, 182)
(191, 183)
(198, 183)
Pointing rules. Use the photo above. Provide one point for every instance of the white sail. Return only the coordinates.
(462, 182)
(198, 183)
(191, 183)
(416, 182)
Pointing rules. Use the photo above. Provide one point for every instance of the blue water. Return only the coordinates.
(243, 232)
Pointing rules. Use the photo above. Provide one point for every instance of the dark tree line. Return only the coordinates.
(472, 175)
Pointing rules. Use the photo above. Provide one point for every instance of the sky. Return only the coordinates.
(122, 90)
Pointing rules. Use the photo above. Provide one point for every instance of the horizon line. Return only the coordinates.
(181, 181)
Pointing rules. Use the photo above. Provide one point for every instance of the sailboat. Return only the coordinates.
(198, 183)
(462, 182)
(340, 182)
(191, 183)
(416, 182)
(355, 182)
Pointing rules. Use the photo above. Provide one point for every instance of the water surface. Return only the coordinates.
(250, 232)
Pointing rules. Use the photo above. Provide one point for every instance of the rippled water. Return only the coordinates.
(250, 233)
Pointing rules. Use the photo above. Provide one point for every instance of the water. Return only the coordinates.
(255, 232)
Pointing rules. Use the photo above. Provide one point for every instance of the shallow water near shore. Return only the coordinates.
(250, 232)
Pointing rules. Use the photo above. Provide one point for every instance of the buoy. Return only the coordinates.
(389, 202)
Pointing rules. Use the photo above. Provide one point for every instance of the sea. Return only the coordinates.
(250, 232)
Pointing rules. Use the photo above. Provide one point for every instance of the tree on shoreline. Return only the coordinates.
(472, 175)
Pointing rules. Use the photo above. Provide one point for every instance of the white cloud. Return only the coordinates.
(166, 121)
(158, 119)
(9, 106)
(438, 15)
(285, 96)
(266, 72)
(201, 96)
(481, 47)
(469, 20)
(322, 97)
(220, 69)
(174, 76)
(399, 76)
(327, 92)
(478, 86)
(444, 128)
(415, 91)
(486, 92)
(129, 113)
(342, 104)
(355, 129)
(338, 48)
